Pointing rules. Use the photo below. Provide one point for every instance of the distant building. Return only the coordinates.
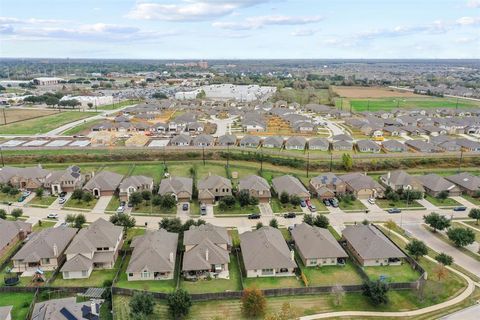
(47, 81)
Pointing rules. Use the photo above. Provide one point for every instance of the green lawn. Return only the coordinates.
(475, 201)
(43, 224)
(217, 285)
(82, 128)
(477, 233)
(44, 201)
(416, 102)
(319, 204)
(331, 275)
(448, 202)
(279, 207)
(154, 170)
(96, 279)
(4, 197)
(113, 204)
(118, 105)
(45, 124)
(132, 233)
(80, 204)
(20, 302)
(402, 204)
(273, 282)
(355, 205)
(236, 209)
(147, 209)
(402, 273)
(212, 169)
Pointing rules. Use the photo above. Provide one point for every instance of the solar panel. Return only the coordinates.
(67, 314)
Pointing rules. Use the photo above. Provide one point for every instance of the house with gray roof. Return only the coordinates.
(203, 140)
(93, 247)
(422, 146)
(133, 184)
(227, 140)
(153, 257)
(434, 184)
(401, 180)
(368, 146)
(67, 309)
(256, 186)
(44, 250)
(28, 178)
(64, 180)
(394, 146)
(104, 183)
(321, 144)
(304, 127)
(295, 143)
(11, 232)
(370, 246)
(266, 254)
(317, 246)
(250, 141)
(207, 252)
(273, 142)
(291, 186)
(179, 187)
(182, 140)
(362, 186)
(212, 188)
(467, 182)
(342, 145)
(469, 145)
(327, 186)
(342, 137)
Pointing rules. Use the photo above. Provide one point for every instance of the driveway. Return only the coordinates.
(466, 262)
(209, 208)
(464, 202)
(183, 213)
(266, 210)
(428, 205)
(224, 126)
(102, 204)
(56, 205)
(371, 207)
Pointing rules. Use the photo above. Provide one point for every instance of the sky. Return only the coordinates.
(241, 29)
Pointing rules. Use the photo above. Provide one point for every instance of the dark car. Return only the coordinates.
(326, 202)
(21, 198)
(62, 194)
(185, 206)
(254, 216)
(289, 215)
(460, 208)
(394, 210)
(303, 204)
(123, 203)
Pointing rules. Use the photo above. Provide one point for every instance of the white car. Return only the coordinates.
(121, 209)
(62, 200)
(52, 216)
(371, 200)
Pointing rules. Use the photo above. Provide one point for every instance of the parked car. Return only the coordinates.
(289, 215)
(21, 198)
(394, 210)
(308, 203)
(130, 205)
(62, 194)
(326, 202)
(312, 208)
(185, 207)
(64, 224)
(371, 200)
(62, 200)
(123, 203)
(121, 209)
(52, 216)
(303, 204)
(26, 193)
(460, 208)
(203, 210)
(334, 202)
(254, 216)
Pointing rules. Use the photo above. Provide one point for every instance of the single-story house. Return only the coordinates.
(401, 180)
(295, 143)
(179, 187)
(250, 141)
(434, 184)
(290, 185)
(227, 140)
(467, 182)
(321, 144)
(394, 146)
(256, 186)
(273, 142)
(368, 146)
(104, 183)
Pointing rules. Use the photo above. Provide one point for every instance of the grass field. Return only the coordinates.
(43, 224)
(402, 273)
(14, 115)
(20, 302)
(42, 201)
(387, 204)
(415, 102)
(302, 96)
(355, 205)
(371, 92)
(83, 128)
(45, 124)
(118, 105)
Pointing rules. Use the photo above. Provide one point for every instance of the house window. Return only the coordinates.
(106, 249)
(313, 262)
(145, 274)
(66, 274)
(130, 274)
(84, 273)
(267, 271)
(99, 249)
(46, 261)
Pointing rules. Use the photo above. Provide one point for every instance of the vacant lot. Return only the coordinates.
(14, 115)
(409, 102)
(44, 124)
(371, 92)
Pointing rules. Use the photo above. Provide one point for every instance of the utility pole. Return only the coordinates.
(368, 105)
(261, 161)
(228, 155)
(456, 105)
(4, 116)
(308, 162)
(1, 156)
(460, 161)
(341, 104)
(203, 155)
(331, 161)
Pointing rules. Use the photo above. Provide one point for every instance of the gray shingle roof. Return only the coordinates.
(213, 181)
(254, 182)
(289, 184)
(358, 181)
(98, 234)
(135, 181)
(10, 229)
(105, 181)
(314, 242)
(196, 234)
(465, 180)
(175, 185)
(436, 183)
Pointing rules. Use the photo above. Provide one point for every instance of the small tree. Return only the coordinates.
(243, 197)
(142, 303)
(3, 214)
(171, 225)
(444, 259)
(259, 225)
(273, 223)
(253, 302)
(338, 294)
(124, 220)
(229, 201)
(179, 303)
(16, 213)
(79, 220)
(321, 221)
(474, 214)
(376, 291)
(168, 201)
(347, 162)
(284, 198)
(87, 197)
(295, 200)
(39, 192)
(146, 195)
(365, 222)
(440, 271)
(70, 218)
(157, 200)
(436, 221)
(135, 198)
(308, 219)
(416, 248)
(442, 195)
(461, 236)
(77, 194)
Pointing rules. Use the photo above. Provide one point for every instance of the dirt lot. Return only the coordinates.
(371, 92)
(13, 115)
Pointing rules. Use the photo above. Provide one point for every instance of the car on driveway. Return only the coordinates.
(460, 208)
(185, 206)
(326, 202)
(394, 210)
(121, 209)
(62, 200)
(254, 216)
(303, 204)
(62, 194)
(52, 216)
(312, 208)
(371, 200)
(203, 210)
(21, 198)
(26, 193)
(289, 215)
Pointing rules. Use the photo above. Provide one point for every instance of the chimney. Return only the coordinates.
(93, 308)
(55, 250)
(171, 257)
(206, 254)
(292, 255)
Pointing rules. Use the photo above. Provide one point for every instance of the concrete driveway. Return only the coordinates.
(427, 204)
(464, 202)
(102, 204)
(56, 205)
(209, 208)
(181, 212)
(371, 207)
(266, 210)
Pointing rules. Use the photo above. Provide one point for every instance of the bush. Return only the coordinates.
(273, 223)
(253, 303)
(179, 303)
(444, 259)
(142, 303)
(87, 197)
(376, 291)
(284, 198)
(3, 214)
(16, 213)
(295, 200)
(77, 194)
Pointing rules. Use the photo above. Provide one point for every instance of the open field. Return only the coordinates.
(46, 123)
(118, 105)
(303, 96)
(83, 128)
(14, 115)
(423, 103)
(371, 92)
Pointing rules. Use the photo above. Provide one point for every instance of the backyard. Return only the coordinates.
(20, 302)
(332, 275)
(402, 273)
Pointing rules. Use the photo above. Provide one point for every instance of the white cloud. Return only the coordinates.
(189, 10)
(467, 21)
(303, 32)
(473, 4)
(262, 21)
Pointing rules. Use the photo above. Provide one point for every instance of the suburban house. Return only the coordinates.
(342, 145)
(29, 178)
(295, 143)
(212, 188)
(468, 183)
(44, 250)
(362, 186)
(133, 184)
(179, 187)
(273, 142)
(182, 140)
(401, 180)
(256, 186)
(422, 146)
(321, 144)
(394, 146)
(469, 145)
(249, 141)
(368, 146)
(104, 183)
(153, 257)
(327, 186)
(94, 247)
(64, 180)
(317, 246)
(203, 140)
(67, 309)
(266, 254)
(434, 184)
(207, 252)
(227, 140)
(370, 246)
(11, 232)
(290, 185)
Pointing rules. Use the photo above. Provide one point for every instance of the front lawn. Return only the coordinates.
(236, 209)
(448, 202)
(331, 275)
(402, 273)
(475, 201)
(43, 224)
(113, 204)
(319, 205)
(5, 197)
(401, 204)
(354, 205)
(147, 209)
(20, 302)
(278, 207)
(44, 201)
(80, 204)
(216, 285)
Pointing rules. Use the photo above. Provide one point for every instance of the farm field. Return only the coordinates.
(371, 92)
(14, 115)
(424, 103)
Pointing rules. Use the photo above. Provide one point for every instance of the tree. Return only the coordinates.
(273, 223)
(376, 291)
(159, 95)
(442, 195)
(87, 197)
(416, 248)
(284, 198)
(171, 225)
(474, 214)
(146, 195)
(168, 201)
(461, 236)
(77, 194)
(308, 219)
(179, 303)
(3, 214)
(444, 259)
(39, 192)
(124, 220)
(90, 105)
(142, 303)
(259, 225)
(135, 199)
(295, 200)
(338, 294)
(253, 302)
(347, 162)
(243, 197)
(436, 221)
(321, 221)
(79, 220)
(157, 200)
(365, 222)
(287, 312)
(16, 213)
(440, 271)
